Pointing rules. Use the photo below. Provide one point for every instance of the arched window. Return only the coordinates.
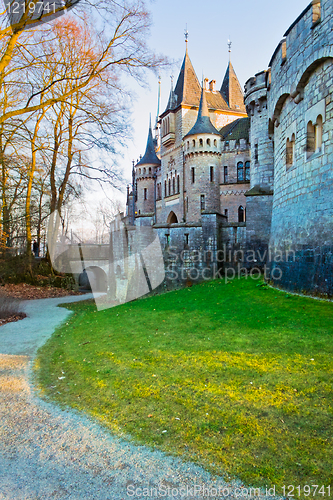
(178, 184)
(165, 189)
(173, 186)
(172, 218)
(240, 172)
(193, 143)
(215, 142)
(290, 151)
(144, 170)
(247, 171)
(188, 144)
(139, 170)
(169, 187)
(200, 142)
(208, 142)
(150, 170)
(314, 139)
(241, 214)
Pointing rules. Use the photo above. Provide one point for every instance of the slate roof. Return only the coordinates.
(188, 90)
(150, 157)
(236, 130)
(231, 89)
(203, 125)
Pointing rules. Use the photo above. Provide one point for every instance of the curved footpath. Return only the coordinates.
(48, 454)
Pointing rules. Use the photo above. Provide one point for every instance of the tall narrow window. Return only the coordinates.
(202, 202)
(200, 142)
(145, 193)
(211, 174)
(241, 214)
(165, 189)
(193, 175)
(310, 139)
(173, 186)
(319, 132)
(240, 172)
(193, 143)
(169, 186)
(256, 153)
(247, 171)
(290, 151)
(178, 184)
(226, 212)
(225, 175)
(208, 142)
(215, 142)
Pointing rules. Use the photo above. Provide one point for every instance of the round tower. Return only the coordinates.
(202, 160)
(145, 178)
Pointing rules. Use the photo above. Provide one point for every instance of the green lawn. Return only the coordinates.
(239, 376)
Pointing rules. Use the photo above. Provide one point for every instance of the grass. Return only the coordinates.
(239, 376)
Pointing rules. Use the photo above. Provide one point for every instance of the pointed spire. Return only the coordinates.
(231, 89)
(158, 100)
(203, 125)
(150, 157)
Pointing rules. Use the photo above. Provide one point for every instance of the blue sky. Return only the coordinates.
(254, 27)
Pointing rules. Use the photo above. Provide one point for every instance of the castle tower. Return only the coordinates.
(231, 90)
(145, 175)
(260, 196)
(202, 158)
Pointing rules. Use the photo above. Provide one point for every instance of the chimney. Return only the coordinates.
(206, 84)
(212, 85)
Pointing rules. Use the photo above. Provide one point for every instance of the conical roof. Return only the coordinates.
(203, 125)
(150, 157)
(231, 89)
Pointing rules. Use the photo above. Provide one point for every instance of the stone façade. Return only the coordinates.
(193, 196)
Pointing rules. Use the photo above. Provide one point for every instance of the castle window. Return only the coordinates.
(145, 191)
(173, 186)
(169, 186)
(150, 170)
(165, 189)
(215, 142)
(202, 202)
(247, 171)
(188, 144)
(290, 151)
(225, 175)
(186, 239)
(144, 170)
(187, 204)
(240, 172)
(193, 175)
(314, 139)
(200, 142)
(283, 51)
(167, 238)
(226, 145)
(211, 174)
(226, 212)
(208, 142)
(178, 184)
(316, 13)
(256, 153)
(241, 214)
(193, 143)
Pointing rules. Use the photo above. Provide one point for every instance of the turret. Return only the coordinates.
(202, 155)
(145, 176)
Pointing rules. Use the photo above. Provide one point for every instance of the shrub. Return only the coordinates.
(8, 306)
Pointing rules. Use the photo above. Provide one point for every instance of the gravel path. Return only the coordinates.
(47, 453)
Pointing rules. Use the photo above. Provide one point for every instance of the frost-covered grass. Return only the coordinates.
(236, 377)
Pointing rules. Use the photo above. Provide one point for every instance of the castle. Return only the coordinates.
(232, 182)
